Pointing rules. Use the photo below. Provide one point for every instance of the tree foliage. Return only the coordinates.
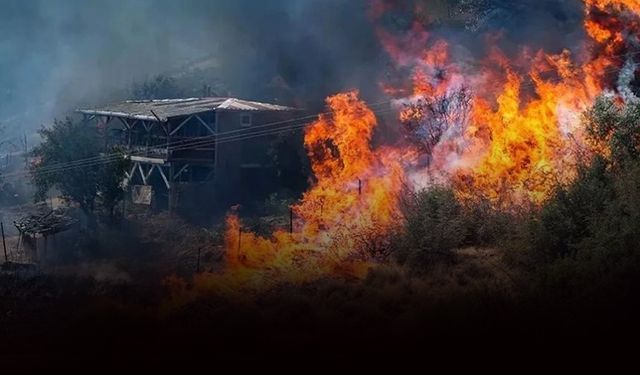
(159, 87)
(615, 129)
(59, 164)
(195, 83)
(434, 227)
(595, 220)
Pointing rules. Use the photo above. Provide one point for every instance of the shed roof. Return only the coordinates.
(169, 108)
(52, 222)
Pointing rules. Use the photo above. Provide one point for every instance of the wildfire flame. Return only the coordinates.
(357, 190)
(501, 128)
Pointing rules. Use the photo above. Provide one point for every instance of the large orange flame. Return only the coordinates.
(523, 121)
(356, 192)
(502, 128)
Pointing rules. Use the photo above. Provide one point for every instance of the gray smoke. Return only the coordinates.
(56, 55)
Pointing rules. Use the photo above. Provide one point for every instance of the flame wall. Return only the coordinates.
(504, 127)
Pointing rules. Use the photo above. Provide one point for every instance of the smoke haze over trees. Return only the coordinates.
(58, 55)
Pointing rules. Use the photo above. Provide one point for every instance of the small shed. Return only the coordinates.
(37, 227)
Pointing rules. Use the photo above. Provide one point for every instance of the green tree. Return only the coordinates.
(159, 87)
(615, 128)
(110, 181)
(596, 218)
(70, 158)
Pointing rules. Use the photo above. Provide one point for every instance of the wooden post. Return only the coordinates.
(4, 244)
(198, 263)
(18, 244)
(171, 191)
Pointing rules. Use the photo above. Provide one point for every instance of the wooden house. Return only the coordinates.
(185, 149)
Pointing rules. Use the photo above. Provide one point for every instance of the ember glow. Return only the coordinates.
(501, 127)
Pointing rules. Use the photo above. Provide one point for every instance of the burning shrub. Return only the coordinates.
(615, 129)
(595, 220)
(427, 120)
(434, 227)
(374, 244)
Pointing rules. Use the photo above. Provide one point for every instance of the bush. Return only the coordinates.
(591, 226)
(434, 227)
(567, 219)
(486, 225)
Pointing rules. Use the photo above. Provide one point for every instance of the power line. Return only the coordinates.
(249, 133)
(105, 159)
(199, 140)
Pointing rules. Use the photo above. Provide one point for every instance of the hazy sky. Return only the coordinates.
(58, 54)
(55, 54)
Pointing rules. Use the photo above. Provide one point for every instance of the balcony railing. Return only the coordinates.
(150, 152)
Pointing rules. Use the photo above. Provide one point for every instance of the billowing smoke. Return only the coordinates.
(57, 55)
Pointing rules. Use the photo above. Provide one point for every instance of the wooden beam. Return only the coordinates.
(205, 125)
(148, 160)
(181, 125)
(180, 171)
(150, 171)
(160, 122)
(165, 128)
(125, 122)
(164, 177)
(144, 179)
(129, 175)
(118, 114)
(133, 170)
(154, 115)
(146, 125)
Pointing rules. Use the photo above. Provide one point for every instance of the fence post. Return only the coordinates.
(4, 244)
(290, 220)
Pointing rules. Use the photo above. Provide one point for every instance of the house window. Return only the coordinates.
(245, 120)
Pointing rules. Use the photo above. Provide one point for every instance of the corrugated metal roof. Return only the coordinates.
(168, 108)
